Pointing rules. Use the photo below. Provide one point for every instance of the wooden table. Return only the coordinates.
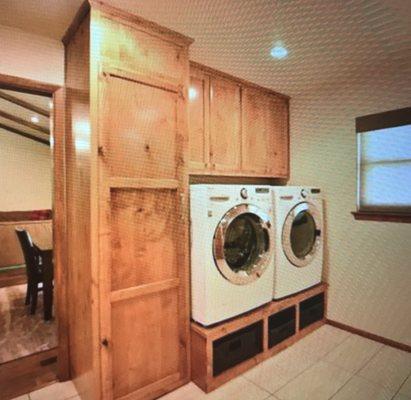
(47, 257)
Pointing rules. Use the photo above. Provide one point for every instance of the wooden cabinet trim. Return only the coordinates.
(204, 163)
(143, 290)
(143, 183)
(169, 382)
(145, 78)
(142, 24)
(242, 82)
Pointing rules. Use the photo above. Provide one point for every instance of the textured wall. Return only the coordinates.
(25, 174)
(368, 263)
(29, 56)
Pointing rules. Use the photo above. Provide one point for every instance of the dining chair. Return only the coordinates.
(34, 268)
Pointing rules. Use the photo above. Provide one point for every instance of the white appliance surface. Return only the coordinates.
(215, 298)
(294, 273)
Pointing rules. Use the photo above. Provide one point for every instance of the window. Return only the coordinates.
(384, 166)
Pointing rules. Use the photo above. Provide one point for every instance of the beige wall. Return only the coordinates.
(30, 56)
(25, 174)
(368, 263)
(25, 166)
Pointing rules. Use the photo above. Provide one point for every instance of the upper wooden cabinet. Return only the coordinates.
(236, 128)
(225, 125)
(264, 133)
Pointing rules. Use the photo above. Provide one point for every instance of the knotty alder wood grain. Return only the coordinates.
(82, 262)
(264, 133)
(225, 125)
(236, 128)
(139, 92)
(199, 118)
(127, 150)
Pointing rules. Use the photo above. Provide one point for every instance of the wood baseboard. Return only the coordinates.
(26, 374)
(13, 277)
(368, 335)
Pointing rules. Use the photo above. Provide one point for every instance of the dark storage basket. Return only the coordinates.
(237, 347)
(312, 310)
(281, 326)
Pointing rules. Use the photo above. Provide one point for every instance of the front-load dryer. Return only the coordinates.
(231, 250)
(298, 255)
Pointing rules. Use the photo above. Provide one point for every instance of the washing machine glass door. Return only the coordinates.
(302, 234)
(242, 244)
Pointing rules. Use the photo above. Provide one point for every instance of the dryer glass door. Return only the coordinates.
(302, 234)
(242, 244)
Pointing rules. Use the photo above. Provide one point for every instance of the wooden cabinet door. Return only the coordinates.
(225, 125)
(264, 134)
(143, 234)
(255, 132)
(277, 121)
(198, 127)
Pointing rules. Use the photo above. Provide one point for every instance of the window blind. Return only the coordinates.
(384, 169)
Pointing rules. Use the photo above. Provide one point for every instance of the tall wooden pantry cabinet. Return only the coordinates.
(127, 195)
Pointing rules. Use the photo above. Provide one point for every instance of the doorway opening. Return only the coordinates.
(33, 334)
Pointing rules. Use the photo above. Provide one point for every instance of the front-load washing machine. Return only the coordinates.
(231, 250)
(298, 255)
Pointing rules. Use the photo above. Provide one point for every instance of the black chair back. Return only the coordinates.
(30, 253)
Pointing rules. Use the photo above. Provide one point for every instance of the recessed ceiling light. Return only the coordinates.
(35, 119)
(279, 51)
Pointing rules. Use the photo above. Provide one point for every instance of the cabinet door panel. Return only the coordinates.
(255, 132)
(137, 50)
(143, 238)
(264, 134)
(145, 339)
(198, 97)
(140, 130)
(225, 125)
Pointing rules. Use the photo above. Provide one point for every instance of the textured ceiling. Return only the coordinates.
(330, 42)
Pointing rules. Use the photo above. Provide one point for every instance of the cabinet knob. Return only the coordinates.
(104, 342)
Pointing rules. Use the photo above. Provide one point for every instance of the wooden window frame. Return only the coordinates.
(388, 119)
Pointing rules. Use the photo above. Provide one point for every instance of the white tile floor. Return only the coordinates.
(327, 364)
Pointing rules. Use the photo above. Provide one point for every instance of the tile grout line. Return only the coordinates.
(320, 359)
(339, 389)
(402, 384)
(371, 358)
(360, 368)
(315, 362)
(255, 384)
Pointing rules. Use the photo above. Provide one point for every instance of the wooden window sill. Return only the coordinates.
(386, 217)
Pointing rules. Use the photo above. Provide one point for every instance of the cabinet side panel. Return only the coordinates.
(78, 145)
